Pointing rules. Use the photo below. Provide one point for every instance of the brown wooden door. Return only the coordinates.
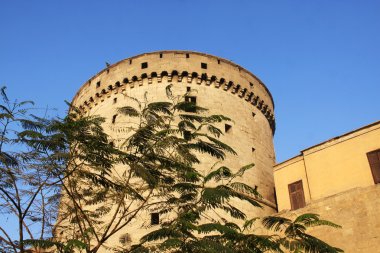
(296, 194)
(374, 163)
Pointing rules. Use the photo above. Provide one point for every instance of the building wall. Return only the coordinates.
(295, 171)
(339, 186)
(224, 88)
(356, 210)
(342, 164)
(329, 168)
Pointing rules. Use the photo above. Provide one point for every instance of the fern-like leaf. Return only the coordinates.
(218, 174)
(275, 223)
(128, 111)
(313, 220)
(243, 169)
(207, 228)
(191, 117)
(244, 188)
(162, 233)
(217, 118)
(163, 107)
(214, 130)
(222, 145)
(209, 148)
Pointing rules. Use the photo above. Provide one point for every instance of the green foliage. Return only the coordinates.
(156, 159)
(102, 188)
(129, 111)
(49, 245)
(28, 193)
(194, 227)
(218, 174)
(295, 238)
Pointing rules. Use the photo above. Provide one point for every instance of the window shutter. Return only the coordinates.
(374, 163)
(296, 195)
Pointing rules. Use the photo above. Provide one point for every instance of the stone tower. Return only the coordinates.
(220, 85)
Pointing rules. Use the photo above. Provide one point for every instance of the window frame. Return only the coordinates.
(374, 165)
(293, 195)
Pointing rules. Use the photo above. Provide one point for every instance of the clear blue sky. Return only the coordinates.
(320, 59)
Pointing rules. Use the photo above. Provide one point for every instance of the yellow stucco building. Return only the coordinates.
(338, 179)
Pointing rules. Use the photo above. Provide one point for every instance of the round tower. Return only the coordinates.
(219, 85)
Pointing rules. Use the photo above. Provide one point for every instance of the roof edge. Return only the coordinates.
(331, 139)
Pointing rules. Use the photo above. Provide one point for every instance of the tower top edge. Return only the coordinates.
(179, 52)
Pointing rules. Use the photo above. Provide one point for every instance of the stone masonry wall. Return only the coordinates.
(356, 210)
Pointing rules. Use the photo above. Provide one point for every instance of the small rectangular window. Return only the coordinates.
(192, 100)
(154, 218)
(98, 84)
(115, 100)
(227, 128)
(187, 56)
(187, 135)
(160, 55)
(296, 195)
(130, 61)
(114, 119)
(374, 164)
(188, 89)
(144, 65)
(218, 61)
(204, 65)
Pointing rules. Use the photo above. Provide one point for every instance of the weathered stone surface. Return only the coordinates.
(356, 210)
